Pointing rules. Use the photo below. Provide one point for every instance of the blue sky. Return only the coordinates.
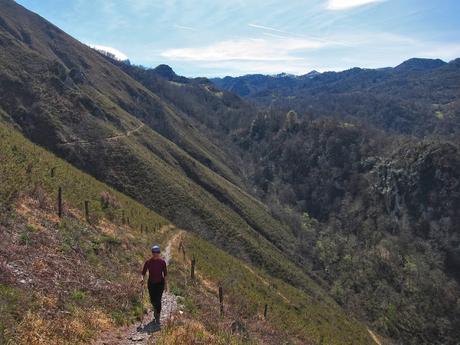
(235, 37)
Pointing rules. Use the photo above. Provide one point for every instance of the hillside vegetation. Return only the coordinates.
(72, 100)
(64, 280)
(293, 316)
(342, 185)
(382, 215)
(418, 97)
(369, 161)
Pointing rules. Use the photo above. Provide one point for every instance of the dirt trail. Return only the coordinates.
(112, 138)
(136, 334)
(374, 337)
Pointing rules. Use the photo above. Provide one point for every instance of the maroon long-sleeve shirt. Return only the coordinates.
(157, 270)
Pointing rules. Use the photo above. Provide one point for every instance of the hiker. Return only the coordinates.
(157, 282)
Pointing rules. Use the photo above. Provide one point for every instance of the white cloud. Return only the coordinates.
(118, 54)
(274, 52)
(347, 4)
(245, 49)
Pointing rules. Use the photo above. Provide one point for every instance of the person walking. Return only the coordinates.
(157, 281)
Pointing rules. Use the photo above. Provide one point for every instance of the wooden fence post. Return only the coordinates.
(87, 210)
(265, 311)
(192, 270)
(182, 248)
(142, 228)
(221, 300)
(123, 217)
(53, 170)
(59, 202)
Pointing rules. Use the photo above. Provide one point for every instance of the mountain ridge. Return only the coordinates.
(417, 97)
(343, 185)
(165, 165)
(422, 63)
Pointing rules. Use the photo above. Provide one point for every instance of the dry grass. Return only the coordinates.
(192, 332)
(66, 267)
(75, 329)
(201, 322)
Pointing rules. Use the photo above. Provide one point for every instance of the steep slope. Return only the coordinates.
(383, 214)
(73, 101)
(169, 142)
(79, 96)
(383, 205)
(419, 97)
(292, 316)
(64, 280)
(198, 99)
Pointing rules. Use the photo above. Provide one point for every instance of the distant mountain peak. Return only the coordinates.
(312, 74)
(419, 64)
(165, 71)
(284, 75)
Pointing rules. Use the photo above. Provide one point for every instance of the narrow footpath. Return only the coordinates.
(136, 334)
(108, 139)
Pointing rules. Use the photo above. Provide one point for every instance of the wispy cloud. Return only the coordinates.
(257, 26)
(275, 32)
(269, 34)
(183, 27)
(347, 4)
(248, 49)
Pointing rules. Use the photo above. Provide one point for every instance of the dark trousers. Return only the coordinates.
(156, 292)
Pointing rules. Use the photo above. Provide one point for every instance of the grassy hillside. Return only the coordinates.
(148, 137)
(293, 316)
(62, 91)
(215, 112)
(72, 100)
(65, 280)
(71, 92)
